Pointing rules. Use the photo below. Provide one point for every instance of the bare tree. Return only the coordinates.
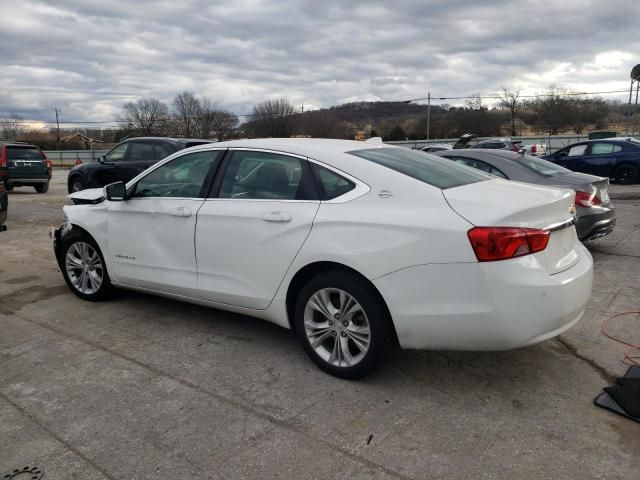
(553, 110)
(214, 121)
(272, 118)
(323, 124)
(586, 111)
(12, 127)
(148, 116)
(187, 110)
(509, 99)
(475, 102)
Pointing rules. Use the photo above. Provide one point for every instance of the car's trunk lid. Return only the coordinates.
(585, 182)
(515, 204)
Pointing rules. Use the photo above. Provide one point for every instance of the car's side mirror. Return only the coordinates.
(101, 159)
(562, 154)
(115, 192)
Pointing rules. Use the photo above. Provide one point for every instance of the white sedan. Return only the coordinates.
(355, 246)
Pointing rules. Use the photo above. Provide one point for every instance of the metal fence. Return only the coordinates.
(553, 142)
(69, 158)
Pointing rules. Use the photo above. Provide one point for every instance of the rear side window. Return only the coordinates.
(332, 185)
(23, 153)
(604, 148)
(140, 151)
(265, 175)
(160, 151)
(436, 171)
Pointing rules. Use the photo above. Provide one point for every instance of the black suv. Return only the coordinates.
(24, 165)
(126, 160)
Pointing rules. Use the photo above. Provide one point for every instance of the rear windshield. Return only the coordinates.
(193, 144)
(541, 167)
(423, 166)
(23, 153)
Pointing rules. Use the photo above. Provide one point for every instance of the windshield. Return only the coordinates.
(23, 153)
(542, 167)
(423, 166)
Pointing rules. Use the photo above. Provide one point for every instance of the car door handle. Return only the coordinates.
(277, 217)
(181, 212)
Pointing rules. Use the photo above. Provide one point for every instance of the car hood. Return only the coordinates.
(90, 195)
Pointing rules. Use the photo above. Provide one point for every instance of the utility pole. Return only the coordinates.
(55, 109)
(428, 114)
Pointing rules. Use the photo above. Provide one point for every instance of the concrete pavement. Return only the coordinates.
(148, 388)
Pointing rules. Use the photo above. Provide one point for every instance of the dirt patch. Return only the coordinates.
(19, 280)
(19, 299)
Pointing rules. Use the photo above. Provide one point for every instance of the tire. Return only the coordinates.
(8, 187)
(42, 187)
(626, 174)
(3, 217)
(80, 254)
(76, 184)
(330, 291)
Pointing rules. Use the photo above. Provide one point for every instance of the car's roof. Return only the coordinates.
(308, 147)
(170, 139)
(18, 144)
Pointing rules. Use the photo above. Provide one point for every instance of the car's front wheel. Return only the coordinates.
(343, 324)
(84, 269)
(76, 184)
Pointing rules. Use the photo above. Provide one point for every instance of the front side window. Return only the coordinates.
(427, 168)
(117, 153)
(577, 150)
(182, 177)
(140, 151)
(265, 175)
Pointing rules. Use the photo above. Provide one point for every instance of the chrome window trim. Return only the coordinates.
(554, 227)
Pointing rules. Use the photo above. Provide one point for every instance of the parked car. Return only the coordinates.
(4, 205)
(535, 149)
(126, 160)
(466, 141)
(500, 144)
(616, 158)
(24, 165)
(436, 147)
(596, 214)
(355, 246)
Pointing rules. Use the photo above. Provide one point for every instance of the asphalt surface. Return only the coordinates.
(147, 388)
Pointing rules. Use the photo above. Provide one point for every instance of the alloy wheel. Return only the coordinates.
(337, 327)
(84, 268)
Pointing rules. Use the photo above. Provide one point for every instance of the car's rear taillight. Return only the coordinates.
(587, 199)
(501, 243)
(534, 148)
(47, 161)
(3, 157)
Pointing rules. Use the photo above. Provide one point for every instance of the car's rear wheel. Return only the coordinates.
(8, 187)
(76, 184)
(3, 216)
(84, 269)
(343, 324)
(626, 174)
(42, 187)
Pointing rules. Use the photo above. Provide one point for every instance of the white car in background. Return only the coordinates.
(355, 246)
(535, 149)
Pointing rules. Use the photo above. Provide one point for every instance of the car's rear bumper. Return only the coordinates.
(596, 225)
(485, 306)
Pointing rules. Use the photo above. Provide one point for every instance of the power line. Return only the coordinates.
(249, 115)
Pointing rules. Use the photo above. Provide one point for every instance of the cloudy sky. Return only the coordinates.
(90, 57)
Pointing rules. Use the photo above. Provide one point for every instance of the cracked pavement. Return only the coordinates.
(148, 388)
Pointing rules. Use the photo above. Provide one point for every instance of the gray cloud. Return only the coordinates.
(89, 58)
